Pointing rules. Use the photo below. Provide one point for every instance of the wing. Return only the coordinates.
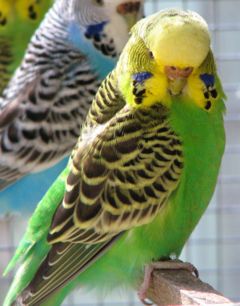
(41, 114)
(120, 178)
(62, 264)
(24, 125)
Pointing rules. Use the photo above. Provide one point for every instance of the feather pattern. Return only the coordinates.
(63, 262)
(141, 175)
(45, 103)
(119, 179)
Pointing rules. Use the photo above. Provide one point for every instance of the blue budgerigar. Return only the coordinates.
(45, 103)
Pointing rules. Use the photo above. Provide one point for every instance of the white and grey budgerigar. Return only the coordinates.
(45, 103)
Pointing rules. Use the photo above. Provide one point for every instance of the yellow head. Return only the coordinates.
(177, 38)
(167, 55)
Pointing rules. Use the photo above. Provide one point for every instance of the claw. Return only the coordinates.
(192, 269)
(145, 302)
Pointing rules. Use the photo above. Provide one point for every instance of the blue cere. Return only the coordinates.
(142, 76)
(208, 79)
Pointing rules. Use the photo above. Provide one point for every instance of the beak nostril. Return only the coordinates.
(136, 6)
(187, 69)
(130, 11)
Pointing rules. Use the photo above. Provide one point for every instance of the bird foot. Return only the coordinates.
(162, 265)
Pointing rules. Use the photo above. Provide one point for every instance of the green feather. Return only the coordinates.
(140, 178)
(33, 247)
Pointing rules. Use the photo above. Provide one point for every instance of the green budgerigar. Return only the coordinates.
(18, 21)
(142, 173)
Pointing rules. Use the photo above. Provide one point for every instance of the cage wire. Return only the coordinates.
(214, 246)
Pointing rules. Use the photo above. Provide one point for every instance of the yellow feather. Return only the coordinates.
(194, 90)
(156, 90)
(183, 39)
(6, 8)
(24, 9)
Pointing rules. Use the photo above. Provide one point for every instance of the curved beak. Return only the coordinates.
(131, 11)
(177, 78)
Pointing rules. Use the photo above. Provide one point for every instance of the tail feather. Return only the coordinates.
(59, 268)
(34, 247)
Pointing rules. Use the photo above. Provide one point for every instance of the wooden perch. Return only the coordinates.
(180, 287)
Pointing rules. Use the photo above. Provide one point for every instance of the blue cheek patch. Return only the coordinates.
(99, 62)
(210, 91)
(138, 85)
(95, 29)
(208, 79)
(141, 76)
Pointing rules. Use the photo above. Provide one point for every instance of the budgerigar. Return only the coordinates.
(46, 101)
(18, 21)
(142, 173)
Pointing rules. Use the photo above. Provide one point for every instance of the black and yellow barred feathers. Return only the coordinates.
(124, 167)
(5, 61)
(121, 179)
(18, 21)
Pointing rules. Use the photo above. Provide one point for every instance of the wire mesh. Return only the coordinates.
(214, 247)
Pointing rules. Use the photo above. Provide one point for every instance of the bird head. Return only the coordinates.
(113, 18)
(166, 55)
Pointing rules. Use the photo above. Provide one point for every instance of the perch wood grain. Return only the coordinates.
(180, 287)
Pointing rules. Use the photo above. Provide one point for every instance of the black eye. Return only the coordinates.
(151, 54)
(99, 2)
